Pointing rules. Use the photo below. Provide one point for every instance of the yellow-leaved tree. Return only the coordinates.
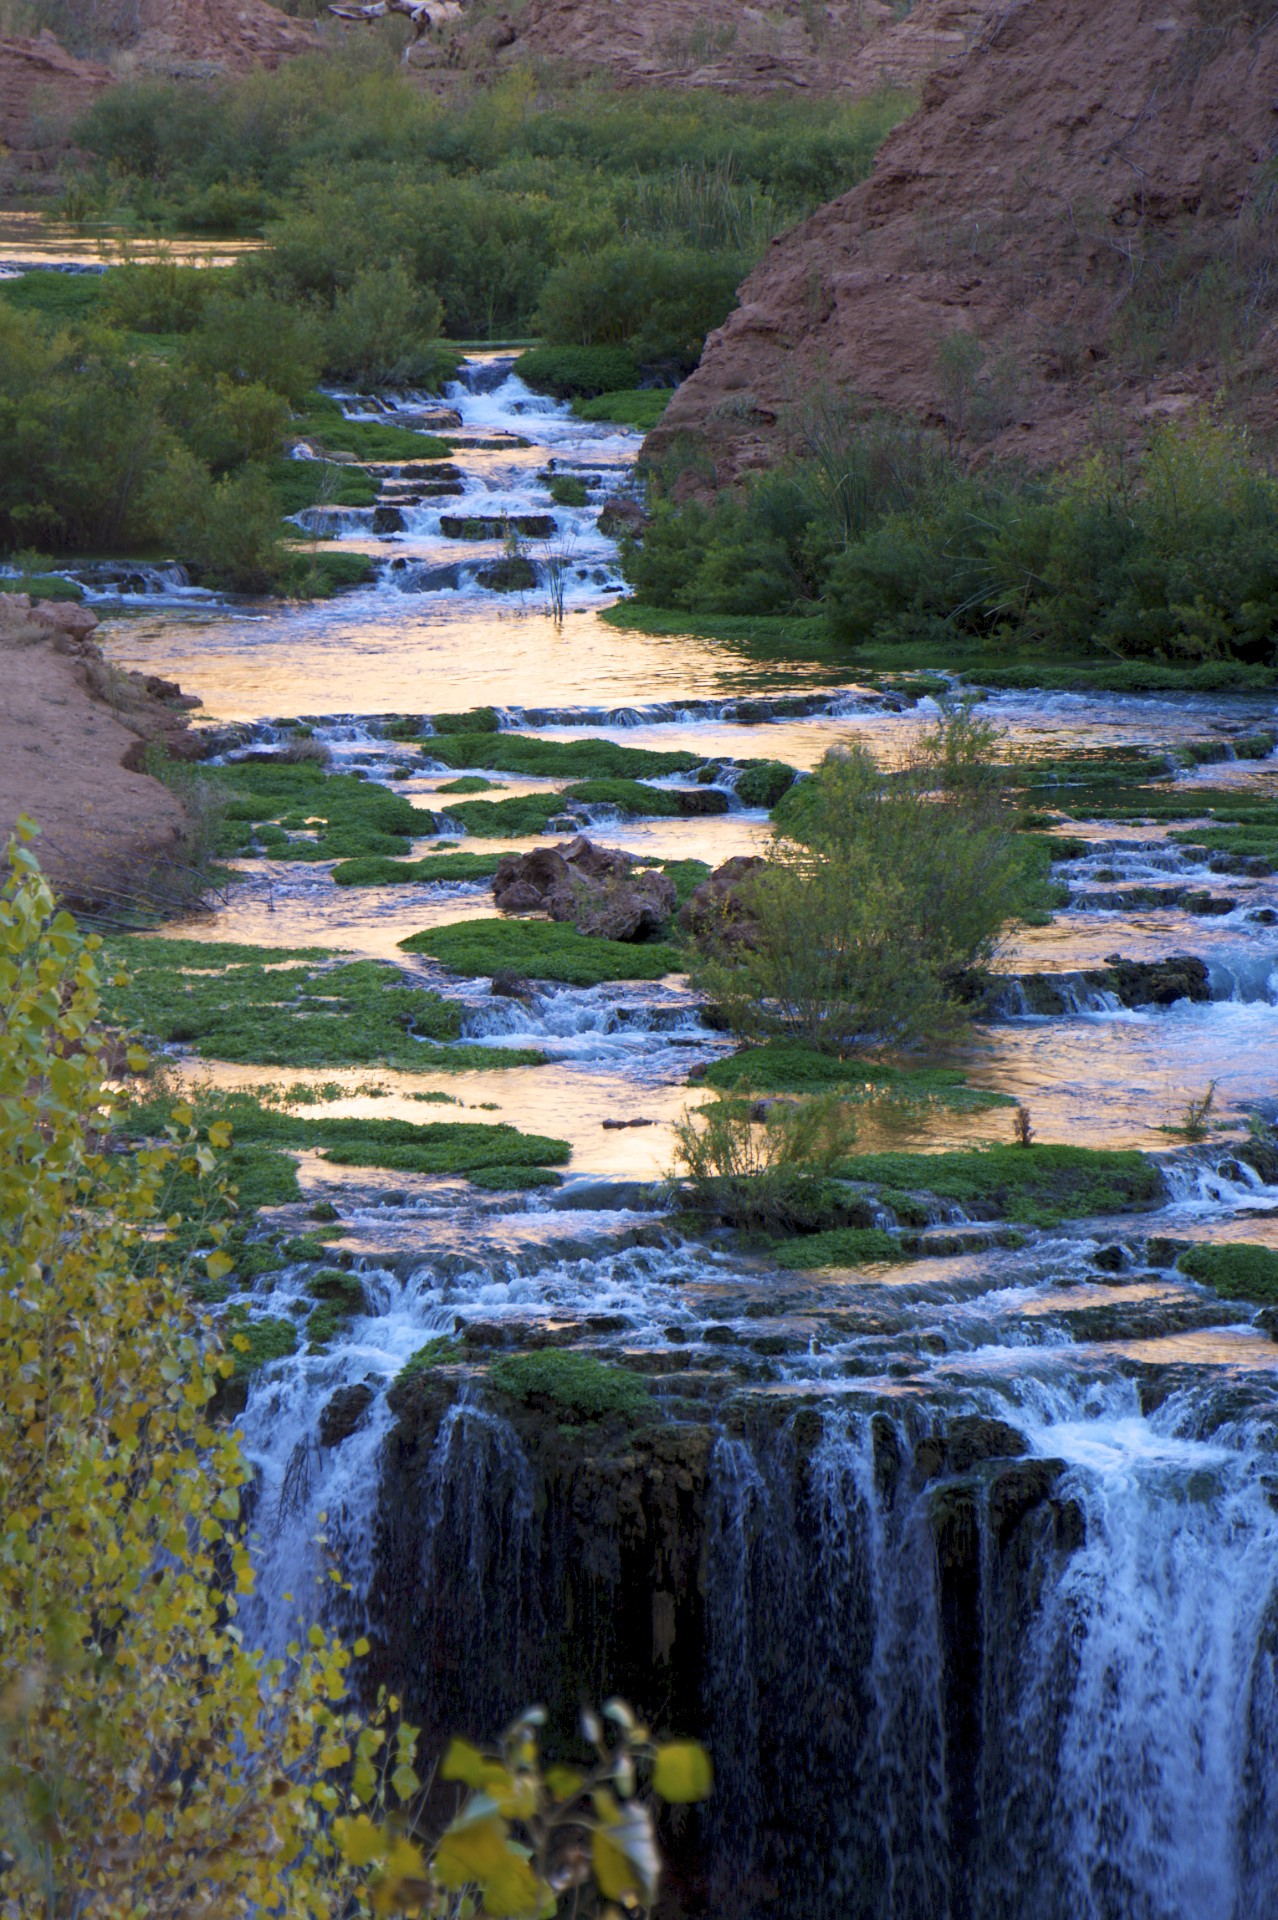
(152, 1763)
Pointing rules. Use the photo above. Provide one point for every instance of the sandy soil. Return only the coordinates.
(68, 726)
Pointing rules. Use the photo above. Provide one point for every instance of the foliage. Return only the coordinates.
(542, 950)
(144, 1749)
(1236, 1270)
(660, 301)
(151, 1762)
(1167, 555)
(767, 1172)
(1039, 1188)
(583, 371)
(588, 1388)
(788, 1066)
(880, 890)
(445, 868)
(638, 407)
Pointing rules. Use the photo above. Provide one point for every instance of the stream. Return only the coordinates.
(967, 1569)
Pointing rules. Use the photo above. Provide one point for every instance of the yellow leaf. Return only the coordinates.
(360, 1648)
(465, 1763)
(404, 1861)
(513, 1890)
(138, 1058)
(683, 1772)
(218, 1265)
(130, 1825)
(220, 1134)
(360, 1841)
(613, 1872)
(470, 1852)
(183, 1115)
(563, 1782)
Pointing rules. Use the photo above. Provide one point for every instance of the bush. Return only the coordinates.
(660, 302)
(569, 371)
(381, 330)
(765, 1174)
(880, 891)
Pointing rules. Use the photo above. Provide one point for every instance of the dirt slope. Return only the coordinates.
(187, 35)
(42, 90)
(72, 736)
(1079, 194)
(851, 46)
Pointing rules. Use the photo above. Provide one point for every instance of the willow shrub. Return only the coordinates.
(882, 888)
(150, 1760)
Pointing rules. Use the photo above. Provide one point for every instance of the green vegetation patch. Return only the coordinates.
(630, 797)
(513, 1179)
(507, 819)
(1038, 1186)
(474, 720)
(566, 490)
(434, 868)
(638, 407)
(403, 1146)
(267, 806)
(567, 372)
(788, 1066)
(469, 783)
(268, 1339)
(441, 1349)
(293, 1007)
(577, 1383)
(542, 950)
(556, 759)
(300, 484)
(844, 1247)
(368, 440)
(1236, 1271)
(764, 782)
(340, 1298)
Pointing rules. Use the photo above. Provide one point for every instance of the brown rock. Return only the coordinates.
(717, 912)
(619, 516)
(592, 888)
(1069, 145)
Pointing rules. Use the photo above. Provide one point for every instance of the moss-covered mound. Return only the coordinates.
(556, 759)
(574, 1383)
(1038, 1185)
(289, 1007)
(1236, 1271)
(844, 1247)
(542, 950)
(434, 869)
(275, 808)
(788, 1066)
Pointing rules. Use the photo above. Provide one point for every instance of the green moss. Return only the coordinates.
(566, 490)
(441, 867)
(305, 1246)
(639, 407)
(507, 819)
(442, 1348)
(348, 816)
(555, 759)
(1235, 1270)
(42, 586)
(268, 1339)
(341, 1300)
(763, 782)
(628, 796)
(687, 876)
(589, 1389)
(318, 576)
(471, 783)
(541, 950)
(1038, 1186)
(788, 1066)
(254, 1005)
(371, 440)
(514, 1179)
(474, 720)
(300, 484)
(845, 1247)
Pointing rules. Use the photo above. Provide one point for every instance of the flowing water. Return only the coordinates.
(967, 1570)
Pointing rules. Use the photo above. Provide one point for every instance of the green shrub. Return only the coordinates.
(569, 372)
(576, 1383)
(1235, 1269)
(567, 491)
(475, 720)
(660, 302)
(763, 782)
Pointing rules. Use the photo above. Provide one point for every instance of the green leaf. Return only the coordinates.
(683, 1773)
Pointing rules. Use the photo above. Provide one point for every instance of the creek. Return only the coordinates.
(966, 1569)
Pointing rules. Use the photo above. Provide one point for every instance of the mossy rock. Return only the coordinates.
(577, 1383)
(845, 1247)
(542, 950)
(1235, 1270)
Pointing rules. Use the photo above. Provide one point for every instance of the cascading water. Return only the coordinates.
(965, 1569)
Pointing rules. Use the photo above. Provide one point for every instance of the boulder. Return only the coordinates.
(1159, 983)
(695, 802)
(619, 516)
(343, 1413)
(388, 520)
(595, 889)
(717, 912)
(516, 575)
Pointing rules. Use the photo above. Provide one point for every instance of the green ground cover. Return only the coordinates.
(788, 1066)
(301, 1007)
(375, 441)
(841, 1247)
(556, 759)
(1037, 1186)
(1236, 1270)
(376, 871)
(574, 1383)
(269, 807)
(638, 407)
(542, 950)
